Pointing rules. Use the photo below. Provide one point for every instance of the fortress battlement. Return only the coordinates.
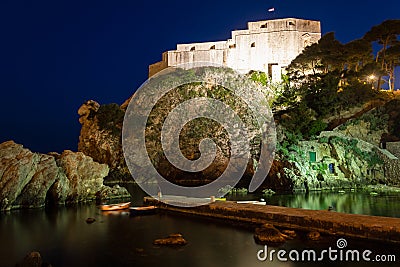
(268, 46)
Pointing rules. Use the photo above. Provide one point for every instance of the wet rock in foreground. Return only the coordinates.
(171, 240)
(268, 234)
(33, 259)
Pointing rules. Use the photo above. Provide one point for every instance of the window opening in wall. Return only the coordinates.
(253, 44)
(313, 156)
(212, 47)
(232, 46)
(193, 48)
(331, 167)
(291, 23)
(264, 26)
(270, 71)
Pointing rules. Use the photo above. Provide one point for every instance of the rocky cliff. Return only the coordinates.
(335, 161)
(31, 180)
(100, 137)
(347, 157)
(380, 124)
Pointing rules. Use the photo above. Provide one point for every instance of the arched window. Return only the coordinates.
(253, 44)
(212, 47)
(193, 48)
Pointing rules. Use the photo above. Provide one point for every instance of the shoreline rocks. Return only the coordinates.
(32, 180)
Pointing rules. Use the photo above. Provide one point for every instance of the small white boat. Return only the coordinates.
(252, 202)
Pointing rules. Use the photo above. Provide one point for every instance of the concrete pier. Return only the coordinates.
(384, 229)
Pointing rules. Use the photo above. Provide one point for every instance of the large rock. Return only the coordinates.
(25, 177)
(171, 240)
(84, 177)
(83, 180)
(30, 180)
(32, 259)
(267, 234)
(100, 137)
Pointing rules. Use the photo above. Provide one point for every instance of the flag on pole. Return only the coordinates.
(272, 9)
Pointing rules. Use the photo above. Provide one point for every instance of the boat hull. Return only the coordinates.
(114, 207)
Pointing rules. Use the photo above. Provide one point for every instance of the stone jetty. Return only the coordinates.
(374, 228)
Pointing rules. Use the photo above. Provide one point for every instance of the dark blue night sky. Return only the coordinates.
(57, 54)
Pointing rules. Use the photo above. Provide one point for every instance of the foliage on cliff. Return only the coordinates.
(329, 77)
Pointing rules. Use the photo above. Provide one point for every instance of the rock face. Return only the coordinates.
(84, 176)
(381, 124)
(334, 160)
(25, 177)
(29, 180)
(100, 137)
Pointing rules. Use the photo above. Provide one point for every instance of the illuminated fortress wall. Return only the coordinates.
(267, 46)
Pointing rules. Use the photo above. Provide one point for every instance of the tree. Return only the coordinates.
(357, 54)
(392, 61)
(331, 53)
(385, 34)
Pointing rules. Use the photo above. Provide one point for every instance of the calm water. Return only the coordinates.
(362, 202)
(64, 239)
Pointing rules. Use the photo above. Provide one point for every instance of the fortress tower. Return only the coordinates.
(267, 46)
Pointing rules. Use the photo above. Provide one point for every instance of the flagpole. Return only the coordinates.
(271, 11)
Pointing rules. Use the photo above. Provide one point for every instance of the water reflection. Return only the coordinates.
(355, 202)
(64, 238)
(348, 202)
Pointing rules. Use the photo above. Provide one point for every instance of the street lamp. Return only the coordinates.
(371, 79)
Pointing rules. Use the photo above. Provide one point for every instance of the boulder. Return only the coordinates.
(32, 259)
(90, 220)
(314, 236)
(171, 240)
(290, 233)
(25, 177)
(84, 176)
(268, 234)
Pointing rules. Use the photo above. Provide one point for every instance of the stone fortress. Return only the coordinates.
(268, 46)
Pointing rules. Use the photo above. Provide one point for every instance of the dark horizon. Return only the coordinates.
(57, 55)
